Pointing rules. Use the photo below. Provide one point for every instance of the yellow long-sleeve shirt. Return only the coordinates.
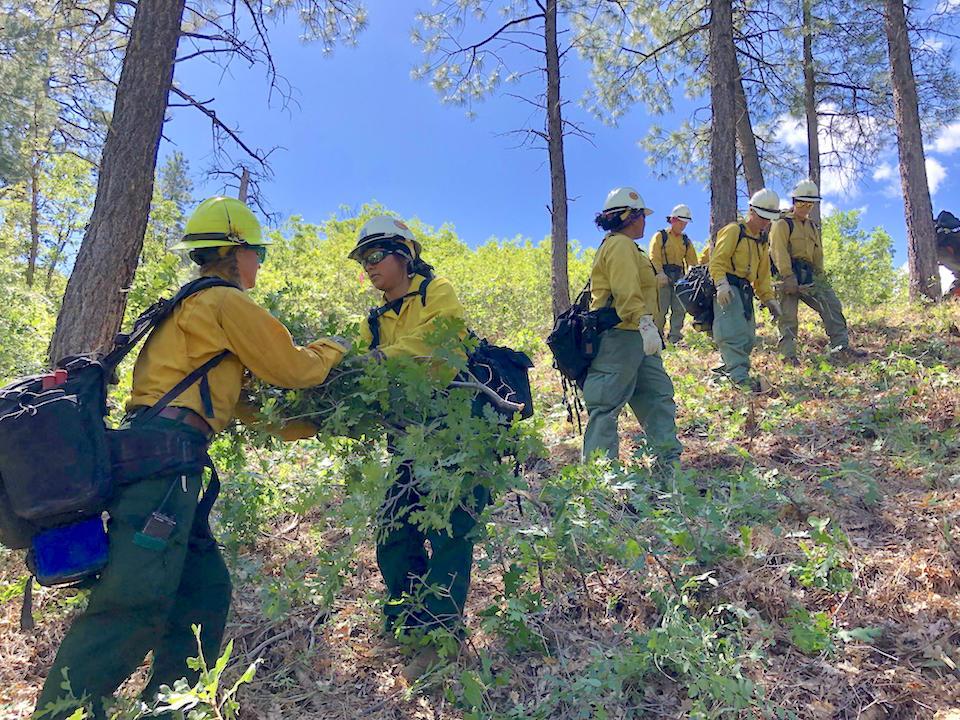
(217, 319)
(803, 244)
(749, 259)
(404, 332)
(623, 270)
(705, 255)
(675, 251)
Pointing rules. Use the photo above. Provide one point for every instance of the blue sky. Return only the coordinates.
(363, 130)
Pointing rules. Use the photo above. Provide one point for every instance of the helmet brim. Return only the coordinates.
(374, 241)
(806, 198)
(195, 242)
(766, 214)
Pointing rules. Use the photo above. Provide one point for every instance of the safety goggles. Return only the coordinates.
(375, 257)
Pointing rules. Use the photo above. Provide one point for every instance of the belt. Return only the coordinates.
(187, 417)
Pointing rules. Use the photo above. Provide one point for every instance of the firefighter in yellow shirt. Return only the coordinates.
(424, 590)
(628, 368)
(796, 250)
(165, 571)
(740, 268)
(672, 254)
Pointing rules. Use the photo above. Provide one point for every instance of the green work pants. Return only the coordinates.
(670, 301)
(735, 336)
(824, 301)
(425, 590)
(621, 375)
(146, 599)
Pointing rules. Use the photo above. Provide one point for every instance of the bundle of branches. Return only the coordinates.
(416, 408)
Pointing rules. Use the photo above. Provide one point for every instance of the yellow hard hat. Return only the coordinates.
(221, 222)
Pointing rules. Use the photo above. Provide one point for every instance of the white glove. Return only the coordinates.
(652, 343)
(724, 294)
(773, 305)
(662, 279)
(343, 342)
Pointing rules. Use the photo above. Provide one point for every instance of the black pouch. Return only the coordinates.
(803, 271)
(674, 272)
(745, 289)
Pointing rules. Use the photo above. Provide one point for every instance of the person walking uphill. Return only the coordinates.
(154, 587)
(797, 252)
(424, 591)
(628, 368)
(672, 254)
(740, 268)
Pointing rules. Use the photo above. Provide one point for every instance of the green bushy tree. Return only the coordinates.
(859, 264)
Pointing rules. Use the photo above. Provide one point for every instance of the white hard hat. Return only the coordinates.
(766, 203)
(806, 190)
(623, 198)
(681, 212)
(382, 229)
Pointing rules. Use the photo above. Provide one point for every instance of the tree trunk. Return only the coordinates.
(95, 297)
(559, 280)
(921, 235)
(810, 103)
(34, 218)
(34, 198)
(746, 140)
(723, 136)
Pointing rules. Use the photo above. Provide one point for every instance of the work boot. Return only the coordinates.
(425, 660)
(750, 385)
(851, 352)
(791, 361)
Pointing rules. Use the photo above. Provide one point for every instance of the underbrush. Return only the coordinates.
(805, 562)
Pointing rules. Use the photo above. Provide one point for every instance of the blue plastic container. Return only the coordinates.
(71, 552)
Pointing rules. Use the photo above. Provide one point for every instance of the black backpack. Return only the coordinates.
(575, 338)
(696, 291)
(56, 451)
(502, 370)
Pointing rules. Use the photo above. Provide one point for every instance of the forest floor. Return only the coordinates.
(743, 602)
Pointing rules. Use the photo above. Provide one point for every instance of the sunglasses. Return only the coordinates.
(374, 257)
(261, 251)
(802, 203)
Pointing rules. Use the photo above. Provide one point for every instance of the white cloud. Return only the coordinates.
(948, 139)
(886, 173)
(827, 208)
(883, 171)
(836, 140)
(936, 174)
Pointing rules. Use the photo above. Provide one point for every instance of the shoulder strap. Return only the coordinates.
(664, 236)
(740, 237)
(373, 317)
(150, 318)
(146, 323)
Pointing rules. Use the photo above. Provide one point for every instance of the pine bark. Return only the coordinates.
(810, 103)
(95, 297)
(559, 279)
(921, 235)
(746, 140)
(724, 76)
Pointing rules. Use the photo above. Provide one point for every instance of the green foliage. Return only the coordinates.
(824, 557)
(811, 633)
(859, 265)
(207, 699)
